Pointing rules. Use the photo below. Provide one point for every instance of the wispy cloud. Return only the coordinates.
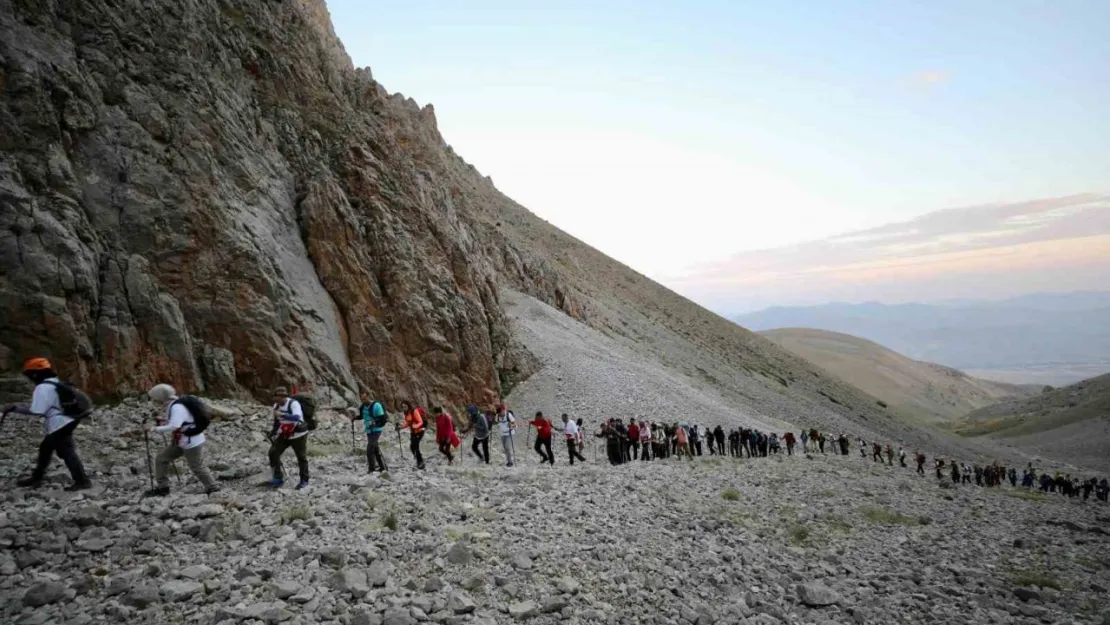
(929, 79)
(1029, 241)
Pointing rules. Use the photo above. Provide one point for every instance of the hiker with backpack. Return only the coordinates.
(480, 423)
(506, 422)
(62, 406)
(186, 419)
(416, 420)
(645, 441)
(543, 438)
(445, 433)
(290, 429)
(374, 420)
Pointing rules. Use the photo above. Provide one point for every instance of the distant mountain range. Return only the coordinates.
(1050, 338)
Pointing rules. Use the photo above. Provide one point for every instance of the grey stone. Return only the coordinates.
(378, 573)
(459, 554)
(141, 596)
(432, 584)
(397, 616)
(1027, 594)
(333, 557)
(352, 581)
(43, 593)
(568, 585)
(523, 609)
(461, 603)
(816, 594)
(180, 589)
(522, 561)
(198, 572)
(283, 589)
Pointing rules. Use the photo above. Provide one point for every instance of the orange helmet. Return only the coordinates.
(37, 364)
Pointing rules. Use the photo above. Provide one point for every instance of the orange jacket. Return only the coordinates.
(415, 420)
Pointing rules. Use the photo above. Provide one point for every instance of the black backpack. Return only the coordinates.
(378, 422)
(199, 411)
(75, 404)
(308, 408)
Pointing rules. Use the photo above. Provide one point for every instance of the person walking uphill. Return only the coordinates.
(187, 428)
(506, 422)
(480, 422)
(374, 420)
(290, 429)
(445, 433)
(416, 420)
(50, 400)
(570, 431)
(543, 438)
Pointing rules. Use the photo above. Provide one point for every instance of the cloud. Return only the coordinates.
(929, 79)
(995, 245)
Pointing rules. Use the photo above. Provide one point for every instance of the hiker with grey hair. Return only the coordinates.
(185, 420)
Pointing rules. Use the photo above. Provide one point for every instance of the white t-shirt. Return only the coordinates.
(506, 422)
(176, 418)
(291, 413)
(45, 402)
(570, 429)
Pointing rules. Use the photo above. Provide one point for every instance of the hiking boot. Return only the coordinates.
(274, 483)
(211, 490)
(28, 482)
(76, 486)
(158, 491)
(303, 484)
(420, 466)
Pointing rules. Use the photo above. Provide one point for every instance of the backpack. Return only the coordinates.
(75, 404)
(199, 412)
(378, 422)
(308, 408)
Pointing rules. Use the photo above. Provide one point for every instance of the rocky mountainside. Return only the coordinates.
(761, 541)
(208, 193)
(932, 392)
(1069, 422)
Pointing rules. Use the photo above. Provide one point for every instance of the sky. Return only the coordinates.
(680, 138)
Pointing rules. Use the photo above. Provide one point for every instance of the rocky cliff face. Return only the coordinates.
(207, 192)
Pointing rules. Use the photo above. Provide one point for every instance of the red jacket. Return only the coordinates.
(445, 428)
(543, 427)
(634, 432)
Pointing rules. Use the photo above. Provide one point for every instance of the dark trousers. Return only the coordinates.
(543, 448)
(374, 452)
(414, 447)
(572, 451)
(60, 442)
(636, 449)
(697, 447)
(445, 449)
(300, 448)
(480, 447)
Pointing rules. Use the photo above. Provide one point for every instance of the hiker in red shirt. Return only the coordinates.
(445, 433)
(789, 438)
(543, 438)
(634, 438)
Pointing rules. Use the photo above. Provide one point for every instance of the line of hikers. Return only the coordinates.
(185, 418)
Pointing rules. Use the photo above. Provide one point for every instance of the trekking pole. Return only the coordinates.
(173, 462)
(149, 468)
(3, 417)
(399, 446)
(354, 448)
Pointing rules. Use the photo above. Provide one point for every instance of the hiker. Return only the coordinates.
(645, 440)
(773, 443)
(719, 434)
(182, 423)
(682, 442)
(695, 440)
(580, 438)
(862, 449)
(844, 442)
(901, 457)
(919, 459)
(47, 401)
(416, 421)
(570, 432)
(289, 430)
(734, 443)
(978, 475)
(634, 438)
(966, 473)
(506, 422)
(622, 438)
(1102, 492)
(955, 472)
(889, 455)
(445, 433)
(374, 419)
(543, 438)
(938, 464)
(658, 442)
(876, 452)
(821, 442)
(805, 441)
(608, 431)
(480, 423)
(711, 441)
(789, 438)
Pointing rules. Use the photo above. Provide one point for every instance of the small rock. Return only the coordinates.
(522, 561)
(43, 593)
(197, 572)
(556, 604)
(378, 573)
(333, 557)
(180, 589)
(474, 582)
(353, 581)
(816, 594)
(461, 603)
(141, 596)
(523, 609)
(283, 589)
(1027, 594)
(433, 584)
(459, 554)
(568, 585)
(397, 616)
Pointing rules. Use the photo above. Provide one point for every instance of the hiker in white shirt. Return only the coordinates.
(507, 423)
(570, 432)
(289, 430)
(178, 419)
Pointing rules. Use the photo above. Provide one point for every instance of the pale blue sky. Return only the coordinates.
(672, 134)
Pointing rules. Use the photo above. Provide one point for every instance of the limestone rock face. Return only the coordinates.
(209, 194)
